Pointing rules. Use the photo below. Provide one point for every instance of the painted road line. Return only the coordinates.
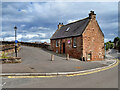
(30, 76)
(95, 70)
(2, 84)
(63, 74)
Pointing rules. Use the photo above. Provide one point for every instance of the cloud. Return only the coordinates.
(107, 39)
(38, 21)
(3, 33)
(18, 20)
(42, 35)
(30, 36)
(111, 34)
(1, 39)
(23, 10)
(9, 39)
(113, 25)
(23, 25)
(43, 28)
(45, 40)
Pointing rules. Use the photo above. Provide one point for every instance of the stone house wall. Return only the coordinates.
(75, 52)
(93, 41)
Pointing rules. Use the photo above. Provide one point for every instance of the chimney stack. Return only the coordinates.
(92, 15)
(60, 25)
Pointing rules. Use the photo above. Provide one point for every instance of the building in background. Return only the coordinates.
(82, 39)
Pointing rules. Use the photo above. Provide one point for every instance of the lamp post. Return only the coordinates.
(15, 41)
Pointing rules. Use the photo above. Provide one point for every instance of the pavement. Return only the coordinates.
(37, 60)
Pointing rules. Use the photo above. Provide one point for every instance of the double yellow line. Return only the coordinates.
(95, 70)
(30, 76)
(85, 73)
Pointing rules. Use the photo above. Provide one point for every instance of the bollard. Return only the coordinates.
(86, 59)
(67, 56)
(52, 57)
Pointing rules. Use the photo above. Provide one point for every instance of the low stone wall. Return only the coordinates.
(11, 60)
(8, 50)
(32, 44)
(36, 44)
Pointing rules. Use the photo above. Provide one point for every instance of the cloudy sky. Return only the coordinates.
(37, 21)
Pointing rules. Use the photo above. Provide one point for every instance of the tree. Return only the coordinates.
(111, 45)
(107, 45)
(118, 45)
(116, 39)
(115, 44)
(110, 41)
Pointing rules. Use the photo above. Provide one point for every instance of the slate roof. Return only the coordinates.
(75, 29)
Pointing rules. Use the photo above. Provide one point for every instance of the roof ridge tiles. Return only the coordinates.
(77, 21)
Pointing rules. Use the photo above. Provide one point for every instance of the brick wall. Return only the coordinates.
(75, 52)
(93, 41)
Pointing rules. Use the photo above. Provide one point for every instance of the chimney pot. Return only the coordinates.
(60, 25)
(92, 15)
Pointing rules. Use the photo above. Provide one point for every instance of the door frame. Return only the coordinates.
(89, 57)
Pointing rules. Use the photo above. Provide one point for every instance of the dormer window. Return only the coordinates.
(67, 29)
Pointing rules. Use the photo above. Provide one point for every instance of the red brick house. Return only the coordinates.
(82, 39)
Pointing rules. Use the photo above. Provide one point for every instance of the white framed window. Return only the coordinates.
(74, 42)
(56, 43)
(56, 51)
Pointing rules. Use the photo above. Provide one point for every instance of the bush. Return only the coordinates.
(111, 45)
(4, 55)
(118, 46)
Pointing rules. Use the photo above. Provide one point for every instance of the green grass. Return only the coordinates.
(4, 55)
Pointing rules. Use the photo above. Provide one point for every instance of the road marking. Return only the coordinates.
(30, 76)
(3, 84)
(68, 75)
(95, 70)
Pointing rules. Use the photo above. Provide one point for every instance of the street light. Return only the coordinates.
(15, 40)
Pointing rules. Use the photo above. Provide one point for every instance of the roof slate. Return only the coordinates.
(76, 29)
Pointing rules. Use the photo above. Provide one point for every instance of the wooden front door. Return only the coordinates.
(63, 47)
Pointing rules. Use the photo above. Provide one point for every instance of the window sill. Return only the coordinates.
(74, 46)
